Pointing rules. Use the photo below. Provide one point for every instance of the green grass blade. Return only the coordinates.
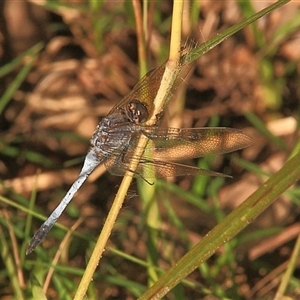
(20, 77)
(8, 261)
(219, 38)
(232, 225)
(12, 65)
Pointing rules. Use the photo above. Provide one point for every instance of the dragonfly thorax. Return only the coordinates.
(112, 133)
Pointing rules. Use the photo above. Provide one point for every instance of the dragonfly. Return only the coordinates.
(116, 137)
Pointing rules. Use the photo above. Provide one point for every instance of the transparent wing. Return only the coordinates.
(156, 168)
(176, 144)
(146, 89)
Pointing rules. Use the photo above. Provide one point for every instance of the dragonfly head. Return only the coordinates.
(136, 111)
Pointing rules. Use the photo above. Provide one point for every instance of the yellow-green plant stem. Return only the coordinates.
(175, 42)
(289, 271)
(148, 191)
(140, 33)
(104, 235)
(171, 72)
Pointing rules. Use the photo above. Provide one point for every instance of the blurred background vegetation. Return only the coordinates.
(64, 64)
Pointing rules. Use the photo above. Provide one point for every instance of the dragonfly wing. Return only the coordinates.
(172, 144)
(151, 168)
(157, 168)
(146, 89)
(154, 168)
(176, 144)
(115, 166)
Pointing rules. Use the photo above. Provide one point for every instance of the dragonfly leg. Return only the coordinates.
(159, 116)
(138, 174)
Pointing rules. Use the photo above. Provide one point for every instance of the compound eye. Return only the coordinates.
(137, 111)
